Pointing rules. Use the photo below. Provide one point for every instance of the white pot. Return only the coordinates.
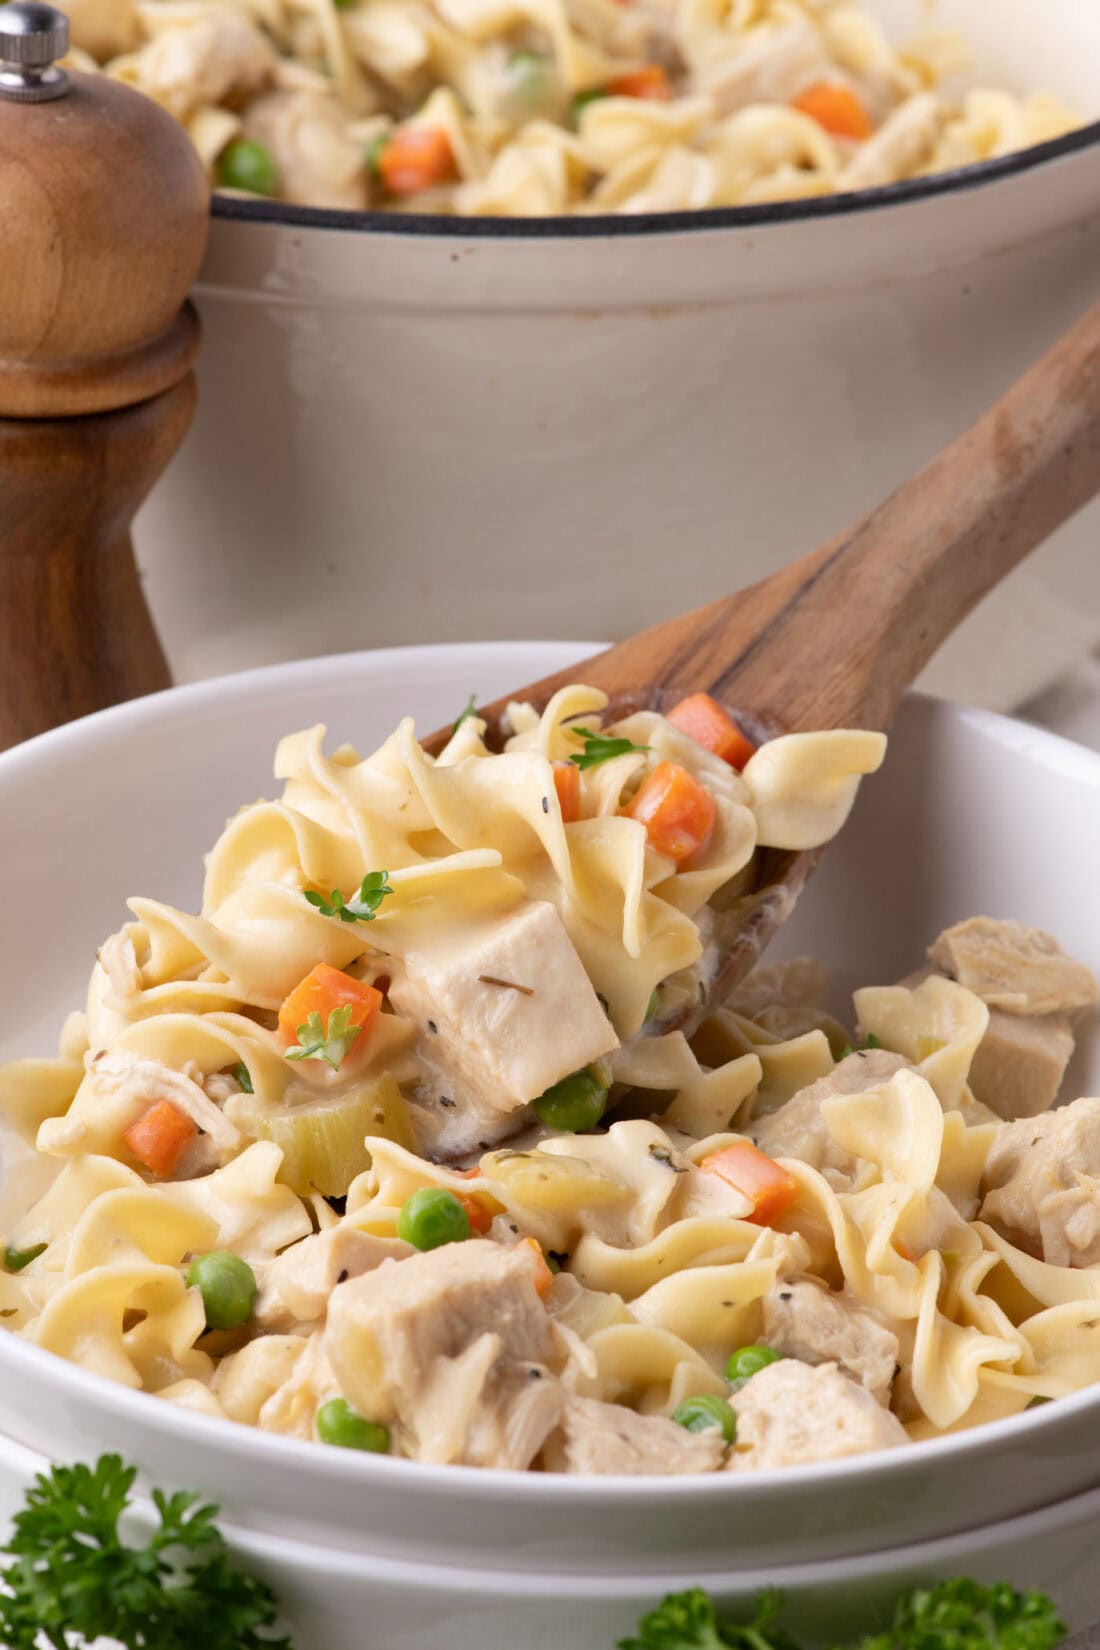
(417, 430)
(972, 813)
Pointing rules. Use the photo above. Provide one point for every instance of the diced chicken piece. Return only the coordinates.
(1042, 1184)
(807, 1321)
(104, 28)
(798, 1128)
(503, 1017)
(800, 983)
(292, 1407)
(768, 67)
(1020, 970)
(118, 1088)
(297, 1285)
(900, 147)
(1020, 1063)
(606, 1439)
(452, 1347)
(222, 58)
(792, 1413)
(305, 133)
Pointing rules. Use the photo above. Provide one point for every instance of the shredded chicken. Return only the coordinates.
(771, 65)
(220, 58)
(900, 147)
(1020, 970)
(1042, 1184)
(609, 1438)
(453, 1347)
(792, 1413)
(798, 1128)
(807, 1321)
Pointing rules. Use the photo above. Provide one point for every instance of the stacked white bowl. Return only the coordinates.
(971, 813)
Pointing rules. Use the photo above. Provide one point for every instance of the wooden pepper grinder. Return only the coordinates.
(104, 209)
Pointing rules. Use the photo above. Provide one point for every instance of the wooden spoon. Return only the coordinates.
(835, 639)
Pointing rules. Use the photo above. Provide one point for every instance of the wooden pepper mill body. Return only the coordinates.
(103, 220)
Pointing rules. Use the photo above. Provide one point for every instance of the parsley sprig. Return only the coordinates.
(464, 715)
(74, 1580)
(955, 1615)
(362, 907)
(601, 747)
(331, 1042)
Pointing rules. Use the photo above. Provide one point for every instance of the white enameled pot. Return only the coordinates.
(333, 1600)
(427, 430)
(971, 813)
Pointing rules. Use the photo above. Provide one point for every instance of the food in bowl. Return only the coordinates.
(399, 1146)
(555, 107)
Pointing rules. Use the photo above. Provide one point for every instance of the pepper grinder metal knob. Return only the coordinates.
(104, 213)
(32, 38)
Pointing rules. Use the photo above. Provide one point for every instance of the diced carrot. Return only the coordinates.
(480, 1216)
(677, 812)
(543, 1275)
(158, 1137)
(764, 1182)
(704, 720)
(650, 83)
(320, 992)
(415, 158)
(567, 783)
(837, 108)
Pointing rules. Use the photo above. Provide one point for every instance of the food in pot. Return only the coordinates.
(531, 108)
(400, 1144)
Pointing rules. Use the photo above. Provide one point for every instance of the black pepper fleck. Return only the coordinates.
(445, 1100)
(546, 804)
(343, 1278)
(784, 1294)
(432, 1027)
(534, 1374)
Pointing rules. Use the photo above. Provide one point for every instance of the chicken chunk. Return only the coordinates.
(807, 1321)
(608, 1439)
(1020, 970)
(305, 133)
(900, 147)
(451, 1347)
(1042, 1184)
(222, 58)
(792, 1413)
(503, 1017)
(798, 1128)
(297, 1285)
(769, 66)
(1018, 1068)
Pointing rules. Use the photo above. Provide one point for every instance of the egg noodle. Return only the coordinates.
(521, 108)
(397, 1144)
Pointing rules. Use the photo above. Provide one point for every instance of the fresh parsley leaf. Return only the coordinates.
(330, 1042)
(74, 1580)
(16, 1259)
(362, 906)
(600, 747)
(471, 710)
(872, 1041)
(244, 1077)
(955, 1615)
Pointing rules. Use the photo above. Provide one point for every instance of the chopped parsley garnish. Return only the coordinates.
(74, 1580)
(600, 747)
(244, 1078)
(362, 907)
(471, 710)
(16, 1259)
(872, 1042)
(329, 1043)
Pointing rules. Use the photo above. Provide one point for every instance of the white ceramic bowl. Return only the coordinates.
(341, 1601)
(971, 813)
(431, 430)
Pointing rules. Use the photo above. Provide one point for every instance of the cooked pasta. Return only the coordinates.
(411, 1139)
(531, 108)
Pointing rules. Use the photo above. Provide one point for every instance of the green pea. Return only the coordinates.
(583, 99)
(702, 1413)
(247, 165)
(338, 1423)
(16, 1259)
(575, 1104)
(431, 1217)
(228, 1288)
(748, 1361)
(530, 75)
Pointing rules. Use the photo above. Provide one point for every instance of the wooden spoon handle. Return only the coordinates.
(75, 632)
(834, 640)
